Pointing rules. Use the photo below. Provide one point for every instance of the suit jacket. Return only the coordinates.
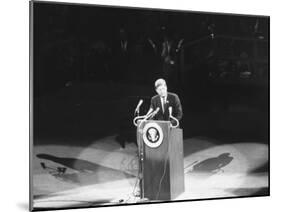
(172, 101)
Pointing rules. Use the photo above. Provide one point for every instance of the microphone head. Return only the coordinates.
(154, 112)
(138, 106)
(140, 103)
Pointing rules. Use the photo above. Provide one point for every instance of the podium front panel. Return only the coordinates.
(162, 166)
(156, 168)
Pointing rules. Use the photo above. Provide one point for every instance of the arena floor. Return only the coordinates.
(104, 173)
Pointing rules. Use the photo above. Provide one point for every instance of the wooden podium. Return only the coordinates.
(161, 160)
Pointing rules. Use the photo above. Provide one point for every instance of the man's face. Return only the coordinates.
(162, 90)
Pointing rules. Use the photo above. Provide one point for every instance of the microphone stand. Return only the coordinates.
(141, 166)
(140, 153)
(172, 117)
(177, 122)
(137, 112)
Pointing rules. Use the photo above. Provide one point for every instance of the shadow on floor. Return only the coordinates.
(213, 165)
(262, 191)
(88, 172)
(263, 168)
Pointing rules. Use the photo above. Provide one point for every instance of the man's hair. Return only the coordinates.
(160, 82)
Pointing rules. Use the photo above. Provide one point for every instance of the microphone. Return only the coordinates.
(138, 106)
(172, 117)
(170, 111)
(155, 112)
(149, 112)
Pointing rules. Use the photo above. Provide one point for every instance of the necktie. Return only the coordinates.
(163, 104)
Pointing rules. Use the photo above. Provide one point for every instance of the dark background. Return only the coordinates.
(85, 87)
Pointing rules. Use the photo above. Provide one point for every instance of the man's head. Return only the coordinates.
(161, 87)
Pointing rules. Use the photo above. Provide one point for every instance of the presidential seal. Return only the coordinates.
(152, 135)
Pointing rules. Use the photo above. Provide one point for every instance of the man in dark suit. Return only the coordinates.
(163, 101)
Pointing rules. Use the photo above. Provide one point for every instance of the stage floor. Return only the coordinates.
(103, 173)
